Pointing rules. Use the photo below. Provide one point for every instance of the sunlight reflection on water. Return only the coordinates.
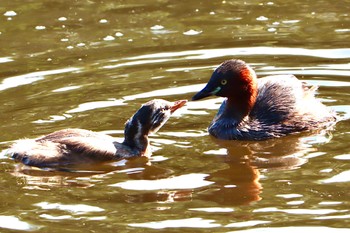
(244, 51)
(11, 222)
(31, 77)
(188, 181)
(90, 63)
(295, 229)
(190, 223)
(5, 59)
(341, 177)
(78, 208)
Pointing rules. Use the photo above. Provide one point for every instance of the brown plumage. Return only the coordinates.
(78, 146)
(258, 109)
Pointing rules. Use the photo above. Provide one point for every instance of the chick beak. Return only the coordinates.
(177, 104)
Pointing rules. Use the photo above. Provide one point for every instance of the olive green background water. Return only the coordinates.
(91, 64)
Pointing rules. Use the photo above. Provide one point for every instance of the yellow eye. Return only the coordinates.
(223, 82)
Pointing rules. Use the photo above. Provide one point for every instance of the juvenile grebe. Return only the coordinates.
(79, 146)
(258, 109)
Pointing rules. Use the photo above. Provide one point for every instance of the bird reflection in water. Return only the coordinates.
(239, 183)
(235, 180)
(83, 176)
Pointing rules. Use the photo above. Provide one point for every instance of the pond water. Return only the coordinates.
(91, 64)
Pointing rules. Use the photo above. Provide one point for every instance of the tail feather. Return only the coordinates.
(36, 154)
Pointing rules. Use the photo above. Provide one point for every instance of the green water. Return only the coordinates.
(91, 64)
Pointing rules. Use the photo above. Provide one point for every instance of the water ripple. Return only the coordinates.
(246, 51)
(5, 59)
(295, 229)
(188, 181)
(178, 223)
(31, 77)
(78, 209)
(11, 222)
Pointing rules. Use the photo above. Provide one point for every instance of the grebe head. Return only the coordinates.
(235, 80)
(151, 117)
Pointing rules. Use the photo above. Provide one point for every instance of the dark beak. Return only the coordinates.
(205, 92)
(177, 104)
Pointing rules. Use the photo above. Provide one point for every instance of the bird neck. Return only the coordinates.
(136, 137)
(241, 101)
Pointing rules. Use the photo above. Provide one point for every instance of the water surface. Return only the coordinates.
(91, 64)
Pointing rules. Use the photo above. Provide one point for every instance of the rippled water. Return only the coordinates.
(91, 64)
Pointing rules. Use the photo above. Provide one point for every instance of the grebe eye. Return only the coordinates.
(223, 82)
